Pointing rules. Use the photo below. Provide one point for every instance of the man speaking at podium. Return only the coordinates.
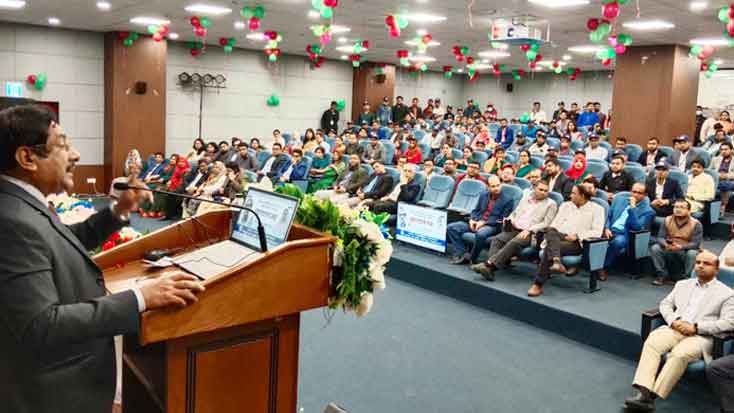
(56, 322)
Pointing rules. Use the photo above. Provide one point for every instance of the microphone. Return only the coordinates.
(124, 186)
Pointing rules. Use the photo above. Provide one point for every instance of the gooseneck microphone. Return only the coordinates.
(124, 186)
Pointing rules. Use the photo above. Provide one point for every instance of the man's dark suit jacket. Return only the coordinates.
(642, 160)
(56, 323)
(382, 187)
(563, 185)
(671, 192)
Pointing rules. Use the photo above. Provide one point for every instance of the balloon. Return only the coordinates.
(231, 41)
(123, 35)
(228, 49)
(524, 118)
(592, 24)
(605, 29)
(340, 105)
(402, 21)
(620, 49)
(200, 31)
(394, 33)
(724, 14)
(152, 29)
(331, 3)
(134, 36)
(713, 67)
(624, 39)
(194, 52)
(448, 75)
(464, 51)
(558, 70)
(273, 100)
(325, 38)
(424, 67)
(532, 65)
(259, 11)
(520, 72)
(365, 44)
(555, 65)
(157, 37)
(195, 21)
(205, 22)
(404, 61)
(525, 47)
(601, 54)
(707, 51)
(470, 60)
(31, 79)
(247, 13)
(316, 4)
(427, 39)
(695, 50)
(222, 41)
(538, 57)
(531, 55)
(163, 30)
(127, 42)
(355, 63)
(595, 36)
(390, 21)
(730, 28)
(610, 10)
(606, 62)
(254, 23)
(534, 47)
(327, 12)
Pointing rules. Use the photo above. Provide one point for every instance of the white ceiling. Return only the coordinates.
(566, 26)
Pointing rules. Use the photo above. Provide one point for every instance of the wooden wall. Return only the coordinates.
(365, 87)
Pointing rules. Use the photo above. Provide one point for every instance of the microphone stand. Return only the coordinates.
(120, 186)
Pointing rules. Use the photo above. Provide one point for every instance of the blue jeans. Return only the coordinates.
(456, 229)
(726, 186)
(617, 246)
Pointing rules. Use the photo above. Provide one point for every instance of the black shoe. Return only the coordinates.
(640, 402)
(660, 281)
(459, 260)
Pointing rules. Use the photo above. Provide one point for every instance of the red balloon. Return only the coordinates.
(459, 58)
(223, 42)
(525, 47)
(123, 35)
(456, 50)
(200, 31)
(572, 77)
(272, 35)
(610, 10)
(331, 3)
(157, 37)
(620, 49)
(427, 39)
(366, 44)
(520, 72)
(532, 65)
(394, 32)
(469, 60)
(163, 30)
(254, 23)
(592, 24)
(576, 70)
(538, 57)
(731, 12)
(704, 67)
(555, 65)
(390, 21)
(31, 79)
(194, 52)
(606, 62)
(195, 21)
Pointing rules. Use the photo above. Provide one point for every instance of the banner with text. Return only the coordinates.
(421, 226)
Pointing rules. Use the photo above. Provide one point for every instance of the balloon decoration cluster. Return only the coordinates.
(573, 73)
(325, 7)
(404, 56)
(460, 52)
(196, 47)
(604, 30)
(726, 16)
(128, 38)
(395, 23)
(703, 54)
(360, 46)
(314, 55)
(273, 100)
(448, 71)
(422, 42)
(227, 44)
(38, 81)
(323, 32)
(158, 31)
(497, 69)
(200, 25)
(709, 68)
(471, 69)
(271, 49)
(340, 105)
(556, 66)
(531, 53)
(253, 15)
(380, 69)
(518, 74)
(524, 118)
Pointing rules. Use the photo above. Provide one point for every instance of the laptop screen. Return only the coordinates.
(276, 212)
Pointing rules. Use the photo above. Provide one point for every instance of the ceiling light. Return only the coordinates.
(485, 60)
(424, 18)
(584, 49)
(54, 21)
(559, 3)
(482, 67)
(710, 41)
(719, 61)
(147, 21)
(500, 46)
(12, 4)
(104, 5)
(344, 57)
(313, 14)
(460, 70)
(422, 59)
(239, 25)
(648, 25)
(207, 9)
(173, 36)
(256, 36)
(698, 5)
(335, 28)
(493, 54)
(342, 40)
(421, 32)
(566, 57)
(549, 63)
(432, 43)
(345, 49)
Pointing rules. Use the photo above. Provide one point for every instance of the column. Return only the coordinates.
(366, 85)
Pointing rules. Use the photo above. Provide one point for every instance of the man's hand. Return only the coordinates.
(686, 328)
(571, 237)
(177, 289)
(607, 233)
(675, 247)
(478, 225)
(129, 200)
(610, 197)
(524, 234)
(633, 202)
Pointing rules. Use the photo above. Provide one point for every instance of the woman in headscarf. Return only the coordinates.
(524, 166)
(133, 158)
(164, 204)
(577, 172)
(214, 183)
(330, 175)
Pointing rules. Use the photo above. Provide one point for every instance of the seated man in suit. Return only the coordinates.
(633, 214)
(577, 220)
(558, 181)
(349, 181)
(679, 238)
(682, 155)
(701, 187)
(485, 221)
(276, 165)
(696, 309)
(720, 373)
(472, 172)
(616, 179)
(380, 184)
(662, 191)
(725, 167)
(533, 214)
(57, 351)
(406, 191)
(297, 169)
(650, 156)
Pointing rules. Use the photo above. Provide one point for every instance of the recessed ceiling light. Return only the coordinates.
(173, 36)
(256, 36)
(460, 70)
(54, 21)
(147, 21)
(344, 57)
(719, 61)
(421, 32)
(485, 60)
(482, 66)
(566, 57)
(500, 46)
(584, 49)
(104, 5)
(432, 43)
(648, 25)
(335, 28)
(422, 59)
(239, 25)
(698, 5)
(494, 54)
(12, 4)
(342, 40)
(424, 18)
(313, 14)
(549, 63)
(710, 41)
(559, 3)
(207, 9)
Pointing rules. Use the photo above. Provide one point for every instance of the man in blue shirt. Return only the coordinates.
(504, 134)
(589, 117)
(530, 129)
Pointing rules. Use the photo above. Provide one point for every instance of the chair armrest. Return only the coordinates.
(648, 317)
(712, 211)
(594, 253)
(719, 342)
(639, 244)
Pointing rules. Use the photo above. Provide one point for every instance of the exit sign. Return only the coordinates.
(14, 89)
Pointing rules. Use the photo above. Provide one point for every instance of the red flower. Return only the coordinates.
(115, 236)
(108, 245)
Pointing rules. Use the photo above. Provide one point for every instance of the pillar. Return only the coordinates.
(135, 101)
(655, 94)
(367, 85)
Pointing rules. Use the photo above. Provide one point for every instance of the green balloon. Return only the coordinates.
(724, 15)
(341, 105)
(611, 53)
(502, 68)
(595, 36)
(708, 75)
(531, 55)
(622, 2)
(41, 78)
(273, 58)
(401, 21)
(713, 67)
(464, 51)
(525, 117)
(231, 41)
(134, 36)
(259, 11)
(624, 39)
(327, 12)
(517, 77)
(247, 13)
(424, 67)
(317, 4)
(569, 71)
(227, 49)
(273, 100)
(316, 49)
(448, 75)
(152, 29)
(355, 63)
(601, 54)
(604, 29)
(205, 22)
(404, 61)
(558, 70)
(695, 50)
(534, 47)
(127, 42)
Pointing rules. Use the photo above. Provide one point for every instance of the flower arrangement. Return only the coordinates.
(362, 248)
(70, 210)
(120, 237)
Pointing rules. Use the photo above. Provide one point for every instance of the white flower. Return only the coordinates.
(129, 232)
(377, 276)
(339, 254)
(365, 304)
(369, 230)
(347, 212)
(384, 252)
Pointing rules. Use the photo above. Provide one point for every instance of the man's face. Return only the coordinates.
(590, 107)
(683, 146)
(224, 147)
(352, 138)
(597, 107)
(576, 196)
(409, 174)
(661, 173)
(594, 142)
(428, 165)
(277, 150)
(696, 169)
(158, 158)
(620, 144)
(353, 161)
(400, 101)
(616, 165)
(680, 210)
(276, 133)
(719, 136)
(551, 168)
(203, 167)
(446, 150)
(574, 107)
(332, 107)
(638, 192)
(402, 162)
(55, 172)
(366, 107)
(242, 151)
(297, 158)
(495, 186)
(533, 176)
(536, 106)
(706, 266)
(652, 145)
(449, 167)
(414, 101)
(379, 168)
(725, 151)
(507, 175)
(374, 141)
(540, 140)
(362, 134)
(472, 170)
(540, 191)
(565, 144)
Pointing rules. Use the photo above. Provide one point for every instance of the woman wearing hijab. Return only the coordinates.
(330, 174)
(523, 164)
(577, 172)
(166, 205)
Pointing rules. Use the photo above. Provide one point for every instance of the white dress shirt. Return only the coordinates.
(699, 291)
(599, 152)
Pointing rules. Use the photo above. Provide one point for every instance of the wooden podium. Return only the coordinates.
(236, 349)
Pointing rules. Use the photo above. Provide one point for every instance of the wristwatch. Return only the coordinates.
(695, 326)
(122, 217)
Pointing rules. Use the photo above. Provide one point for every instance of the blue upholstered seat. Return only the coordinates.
(437, 193)
(633, 151)
(467, 196)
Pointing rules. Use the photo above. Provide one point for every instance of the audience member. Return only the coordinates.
(577, 220)
(565, 146)
(407, 190)
(352, 178)
(449, 168)
(428, 169)
(720, 373)
(152, 174)
(366, 117)
(472, 172)
(330, 119)
(413, 153)
(616, 179)
(212, 151)
(678, 240)
(594, 150)
(216, 180)
(378, 185)
(276, 165)
(701, 186)
(196, 153)
(696, 309)
(530, 129)
(384, 112)
(651, 155)
(557, 181)
(507, 175)
(577, 173)
(589, 117)
(504, 134)
(683, 156)
(323, 177)
(712, 146)
(497, 161)
(445, 154)
(399, 111)
(244, 160)
(523, 164)
(353, 147)
(540, 146)
(663, 191)
(520, 143)
(537, 114)
(174, 183)
(725, 167)
(237, 182)
(374, 152)
(297, 170)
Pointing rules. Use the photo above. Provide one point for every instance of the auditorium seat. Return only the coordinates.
(438, 192)
(420, 179)
(425, 151)
(511, 157)
(251, 176)
(638, 246)
(419, 134)
(577, 145)
(389, 152)
(565, 163)
(460, 139)
(667, 151)
(637, 173)
(523, 183)
(331, 142)
(480, 157)
(302, 184)
(554, 143)
(457, 153)
(702, 154)
(467, 196)
(633, 151)
(368, 168)
(601, 194)
(597, 169)
(287, 137)
(262, 157)
(537, 161)
(383, 133)
(395, 174)
(556, 197)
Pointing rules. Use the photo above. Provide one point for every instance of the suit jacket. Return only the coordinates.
(508, 137)
(382, 187)
(642, 160)
(638, 218)
(357, 180)
(675, 158)
(563, 185)
(716, 164)
(715, 312)
(671, 189)
(501, 210)
(409, 192)
(56, 323)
